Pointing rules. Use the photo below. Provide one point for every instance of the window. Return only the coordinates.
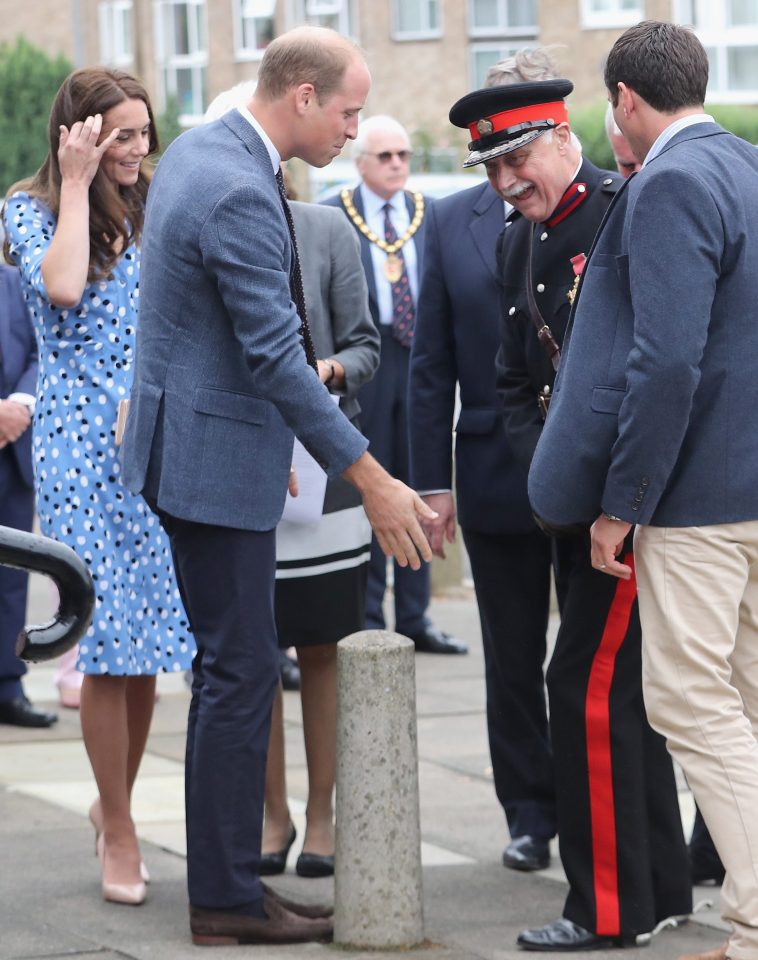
(611, 13)
(253, 27)
(729, 33)
(497, 17)
(116, 43)
(484, 56)
(416, 19)
(337, 14)
(182, 53)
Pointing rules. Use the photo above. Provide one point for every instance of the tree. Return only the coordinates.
(29, 80)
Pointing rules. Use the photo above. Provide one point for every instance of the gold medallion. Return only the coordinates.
(393, 267)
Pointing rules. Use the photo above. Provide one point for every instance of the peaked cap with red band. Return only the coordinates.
(503, 118)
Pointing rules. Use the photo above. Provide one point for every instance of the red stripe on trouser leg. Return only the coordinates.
(599, 766)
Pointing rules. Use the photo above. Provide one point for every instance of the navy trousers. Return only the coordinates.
(384, 421)
(512, 581)
(16, 511)
(226, 579)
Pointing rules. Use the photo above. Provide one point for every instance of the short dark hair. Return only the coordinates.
(306, 55)
(662, 62)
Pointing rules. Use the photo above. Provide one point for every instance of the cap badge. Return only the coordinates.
(484, 127)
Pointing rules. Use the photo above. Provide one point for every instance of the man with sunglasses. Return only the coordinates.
(390, 223)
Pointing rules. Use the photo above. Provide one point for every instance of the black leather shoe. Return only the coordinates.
(565, 935)
(527, 853)
(314, 865)
(289, 671)
(433, 640)
(273, 863)
(21, 713)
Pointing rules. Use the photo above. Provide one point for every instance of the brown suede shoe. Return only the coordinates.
(313, 911)
(214, 928)
(718, 953)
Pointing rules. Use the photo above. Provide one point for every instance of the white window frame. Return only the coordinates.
(309, 11)
(712, 29)
(505, 47)
(241, 52)
(502, 28)
(603, 20)
(196, 60)
(425, 33)
(116, 49)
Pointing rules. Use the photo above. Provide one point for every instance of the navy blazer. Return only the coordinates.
(18, 358)
(221, 380)
(653, 417)
(366, 260)
(455, 341)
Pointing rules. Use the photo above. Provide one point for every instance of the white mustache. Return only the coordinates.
(516, 191)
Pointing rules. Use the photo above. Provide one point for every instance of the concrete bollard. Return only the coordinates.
(377, 884)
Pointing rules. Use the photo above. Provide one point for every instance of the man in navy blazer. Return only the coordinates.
(380, 203)
(652, 424)
(223, 380)
(18, 389)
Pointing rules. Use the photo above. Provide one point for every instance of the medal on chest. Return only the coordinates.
(393, 267)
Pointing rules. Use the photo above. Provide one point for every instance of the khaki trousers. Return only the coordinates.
(698, 598)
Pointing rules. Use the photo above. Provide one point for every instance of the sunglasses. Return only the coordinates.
(386, 155)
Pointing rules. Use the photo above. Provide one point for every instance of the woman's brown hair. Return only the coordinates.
(116, 212)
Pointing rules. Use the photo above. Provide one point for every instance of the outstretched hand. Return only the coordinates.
(79, 153)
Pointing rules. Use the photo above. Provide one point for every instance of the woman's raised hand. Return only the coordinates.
(79, 153)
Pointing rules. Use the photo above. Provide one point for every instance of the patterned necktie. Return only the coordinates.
(403, 310)
(296, 278)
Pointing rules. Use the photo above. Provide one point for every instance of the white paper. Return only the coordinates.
(308, 505)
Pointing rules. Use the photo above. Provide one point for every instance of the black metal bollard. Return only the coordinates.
(28, 551)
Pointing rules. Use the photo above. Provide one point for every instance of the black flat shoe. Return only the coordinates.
(314, 865)
(433, 640)
(565, 935)
(21, 713)
(527, 853)
(274, 863)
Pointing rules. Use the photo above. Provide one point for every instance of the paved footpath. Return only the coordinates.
(50, 906)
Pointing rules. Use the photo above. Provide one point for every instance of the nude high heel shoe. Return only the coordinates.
(132, 894)
(143, 871)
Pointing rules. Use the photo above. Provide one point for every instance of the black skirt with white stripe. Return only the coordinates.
(321, 571)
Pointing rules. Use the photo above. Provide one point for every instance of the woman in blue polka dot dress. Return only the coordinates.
(73, 231)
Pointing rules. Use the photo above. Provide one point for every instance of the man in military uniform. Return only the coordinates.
(619, 827)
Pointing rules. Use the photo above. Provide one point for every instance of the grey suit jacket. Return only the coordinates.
(653, 413)
(18, 357)
(221, 379)
(336, 296)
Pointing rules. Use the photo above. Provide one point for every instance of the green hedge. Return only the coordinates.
(588, 123)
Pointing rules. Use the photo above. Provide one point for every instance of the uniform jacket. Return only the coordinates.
(368, 263)
(523, 365)
(337, 296)
(455, 341)
(18, 358)
(221, 379)
(653, 418)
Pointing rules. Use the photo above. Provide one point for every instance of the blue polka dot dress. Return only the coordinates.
(86, 354)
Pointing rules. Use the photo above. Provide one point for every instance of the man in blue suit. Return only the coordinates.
(652, 424)
(18, 389)
(391, 225)
(225, 375)
(455, 343)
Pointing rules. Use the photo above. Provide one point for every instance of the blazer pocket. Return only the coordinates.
(607, 399)
(233, 406)
(476, 420)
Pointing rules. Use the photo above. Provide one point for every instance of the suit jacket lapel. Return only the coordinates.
(366, 259)
(486, 224)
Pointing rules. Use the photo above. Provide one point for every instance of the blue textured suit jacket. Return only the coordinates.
(221, 379)
(18, 358)
(456, 339)
(653, 415)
